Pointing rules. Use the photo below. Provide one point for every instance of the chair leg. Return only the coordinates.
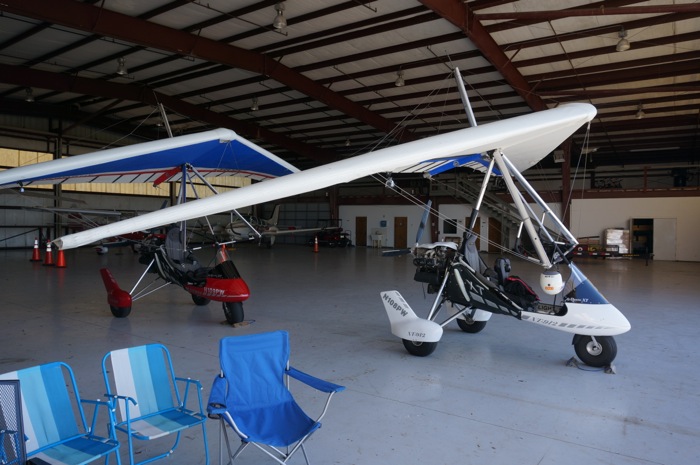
(231, 456)
(303, 451)
(239, 450)
(206, 443)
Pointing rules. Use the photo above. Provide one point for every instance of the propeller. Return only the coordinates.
(419, 233)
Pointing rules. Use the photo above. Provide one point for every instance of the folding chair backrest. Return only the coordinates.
(144, 373)
(12, 449)
(49, 404)
(254, 367)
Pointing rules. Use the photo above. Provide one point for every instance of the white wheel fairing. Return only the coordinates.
(587, 319)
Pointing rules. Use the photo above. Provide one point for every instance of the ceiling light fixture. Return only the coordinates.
(280, 21)
(254, 106)
(623, 44)
(29, 97)
(121, 66)
(399, 79)
(640, 113)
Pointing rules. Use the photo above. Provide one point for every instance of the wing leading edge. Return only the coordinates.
(525, 139)
(220, 152)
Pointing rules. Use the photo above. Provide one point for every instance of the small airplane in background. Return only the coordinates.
(264, 230)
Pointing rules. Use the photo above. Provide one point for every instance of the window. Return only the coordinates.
(449, 226)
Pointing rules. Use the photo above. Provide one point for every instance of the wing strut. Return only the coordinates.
(519, 204)
(465, 98)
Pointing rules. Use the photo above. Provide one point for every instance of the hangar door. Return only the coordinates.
(361, 231)
(664, 238)
(400, 232)
(654, 236)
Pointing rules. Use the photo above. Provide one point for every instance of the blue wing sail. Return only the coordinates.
(219, 152)
(438, 165)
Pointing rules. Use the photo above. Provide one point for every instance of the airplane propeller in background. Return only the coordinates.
(419, 234)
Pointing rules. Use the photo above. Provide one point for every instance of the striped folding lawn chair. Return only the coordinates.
(142, 382)
(55, 427)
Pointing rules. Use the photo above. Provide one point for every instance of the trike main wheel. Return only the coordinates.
(471, 326)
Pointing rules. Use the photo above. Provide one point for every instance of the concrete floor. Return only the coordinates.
(502, 396)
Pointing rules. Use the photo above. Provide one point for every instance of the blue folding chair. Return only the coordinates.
(252, 396)
(143, 384)
(54, 422)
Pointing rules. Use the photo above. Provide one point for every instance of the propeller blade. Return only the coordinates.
(423, 221)
(396, 252)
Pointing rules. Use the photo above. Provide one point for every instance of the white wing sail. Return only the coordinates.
(525, 139)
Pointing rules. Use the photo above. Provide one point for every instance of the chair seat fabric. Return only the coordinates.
(74, 452)
(160, 425)
(280, 425)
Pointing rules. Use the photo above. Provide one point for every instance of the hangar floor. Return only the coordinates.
(502, 396)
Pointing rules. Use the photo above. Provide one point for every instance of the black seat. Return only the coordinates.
(502, 267)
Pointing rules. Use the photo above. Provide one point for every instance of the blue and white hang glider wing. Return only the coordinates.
(220, 152)
(524, 139)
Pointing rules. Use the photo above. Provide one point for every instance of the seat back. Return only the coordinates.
(144, 373)
(173, 245)
(471, 253)
(502, 267)
(51, 410)
(254, 366)
(12, 450)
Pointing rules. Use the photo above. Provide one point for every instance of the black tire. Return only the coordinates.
(233, 312)
(120, 312)
(471, 326)
(419, 349)
(598, 353)
(199, 300)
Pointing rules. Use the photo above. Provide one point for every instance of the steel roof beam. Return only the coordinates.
(66, 83)
(458, 14)
(550, 15)
(96, 20)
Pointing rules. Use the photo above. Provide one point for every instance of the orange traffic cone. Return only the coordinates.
(48, 258)
(316, 244)
(60, 259)
(36, 255)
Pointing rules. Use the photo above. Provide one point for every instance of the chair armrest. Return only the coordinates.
(192, 382)
(109, 404)
(316, 383)
(114, 397)
(216, 405)
(106, 403)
